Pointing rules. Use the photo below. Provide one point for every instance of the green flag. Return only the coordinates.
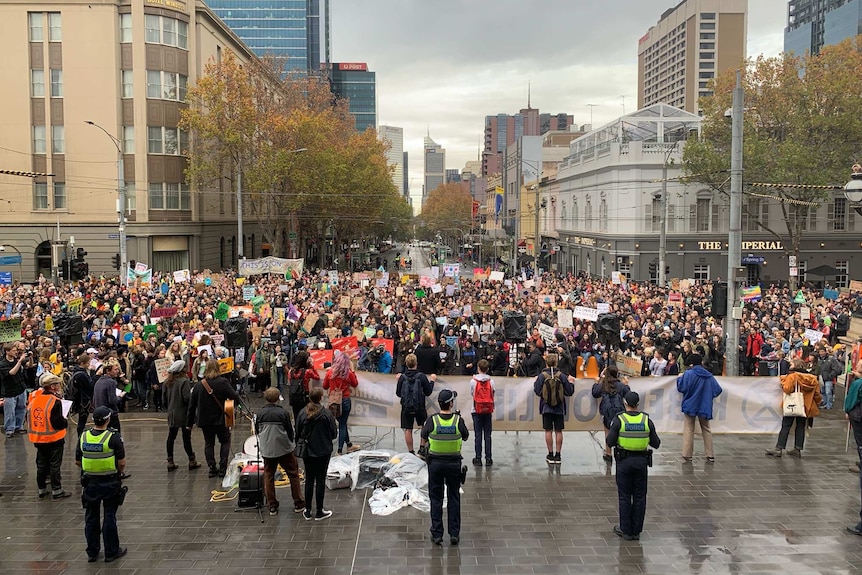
(799, 298)
(221, 311)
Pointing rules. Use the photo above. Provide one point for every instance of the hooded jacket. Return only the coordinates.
(322, 429)
(698, 388)
(808, 385)
(274, 431)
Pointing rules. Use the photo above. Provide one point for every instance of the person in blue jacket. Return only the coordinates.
(699, 389)
(384, 364)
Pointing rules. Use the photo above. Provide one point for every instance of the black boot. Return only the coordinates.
(213, 471)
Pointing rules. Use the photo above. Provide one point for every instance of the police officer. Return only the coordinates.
(444, 433)
(102, 458)
(631, 435)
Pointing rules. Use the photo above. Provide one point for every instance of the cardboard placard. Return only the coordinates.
(162, 366)
(628, 365)
(163, 312)
(10, 330)
(75, 305)
(309, 322)
(225, 365)
(344, 302)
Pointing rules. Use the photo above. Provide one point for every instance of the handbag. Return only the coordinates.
(794, 403)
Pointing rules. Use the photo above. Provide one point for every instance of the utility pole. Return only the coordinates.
(239, 237)
(662, 238)
(734, 238)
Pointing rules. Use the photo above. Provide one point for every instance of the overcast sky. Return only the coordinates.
(443, 65)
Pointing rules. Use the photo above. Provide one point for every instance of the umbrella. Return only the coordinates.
(823, 271)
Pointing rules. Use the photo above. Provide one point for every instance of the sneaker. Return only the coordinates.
(477, 461)
(550, 458)
(351, 448)
(213, 472)
(10, 434)
(710, 459)
(273, 510)
(454, 540)
(323, 514)
(437, 540)
(854, 468)
(489, 462)
(795, 453)
(306, 514)
(299, 509)
(43, 493)
(21, 431)
(777, 452)
(61, 495)
(855, 530)
(121, 553)
(557, 459)
(620, 533)
(146, 406)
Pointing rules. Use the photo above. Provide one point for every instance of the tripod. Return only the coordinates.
(250, 498)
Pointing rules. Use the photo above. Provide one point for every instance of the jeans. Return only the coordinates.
(95, 494)
(445, 472)
(210, 433)
(187, 442)
(49, 458)
(826, 390)
(315, 481)
(482, 429)
(585, 356)
(632, 492)
(13, 412)
(799, 437)
(279, 378)
(291, 469)
(343, 434)
(688, 436)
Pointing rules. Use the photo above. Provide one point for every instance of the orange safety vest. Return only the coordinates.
(39, 419)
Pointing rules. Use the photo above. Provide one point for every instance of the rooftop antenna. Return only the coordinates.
(528, 95)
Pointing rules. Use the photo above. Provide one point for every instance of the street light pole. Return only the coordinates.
(121, 202)
(734, 239)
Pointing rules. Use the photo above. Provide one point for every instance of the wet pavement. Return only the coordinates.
(743, 514)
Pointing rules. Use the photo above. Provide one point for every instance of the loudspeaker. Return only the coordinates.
(719, 299)
(250, 487)
(514, 326)
(608, 323)
(69, 328)
(235, 332)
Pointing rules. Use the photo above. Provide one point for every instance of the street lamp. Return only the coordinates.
(853, 189)
(121, 201)
(20, 260)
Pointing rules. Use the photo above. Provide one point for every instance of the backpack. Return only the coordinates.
(411, 394)
(611, 406)
(483, 398)
(296, 394)
(552, 388)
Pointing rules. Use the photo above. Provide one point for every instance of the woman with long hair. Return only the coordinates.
(611, 390)
(178, 390)
(316, 428)
(340, 378)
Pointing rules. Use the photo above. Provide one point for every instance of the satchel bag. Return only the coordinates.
(794, 403)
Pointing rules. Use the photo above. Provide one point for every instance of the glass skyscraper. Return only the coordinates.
(353, 80)
(286, 29)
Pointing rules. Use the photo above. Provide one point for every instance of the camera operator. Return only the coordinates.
(13, 386)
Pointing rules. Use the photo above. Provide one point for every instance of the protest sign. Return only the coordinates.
(225, 365)
(162, 366)
(587, 313)
(75, 305)
(564, 318)
(150, 329)
(181, 276)
(547, 333)
(813, 335)
(163, 312)
(248, 292)
(10, 330)
(496, 276)
(310, 322)
(269, 264)
(603, 307)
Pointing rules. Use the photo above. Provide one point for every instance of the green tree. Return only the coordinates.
(802, 125)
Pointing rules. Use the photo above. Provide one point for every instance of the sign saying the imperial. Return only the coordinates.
(746, 246)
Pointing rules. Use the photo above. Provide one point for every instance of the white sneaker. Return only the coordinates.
(323, 514)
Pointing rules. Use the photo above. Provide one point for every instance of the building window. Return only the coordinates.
(37, 83)
(588, 216)
(59, 196)
(39, 146)
(153, 25)
(166, 85)
(131, 197)
(154, 140)
(603, 215)
(707, 55)
(707, 46)
(707, 35)
(839, 214)
(55, 30)
(803, 266)
(707, 25)
(707, 15)
(58, 140)
(843, 277)
(655, 220)
(125, 28)
(128, 139)
(36, 26)
(169, 141)
(40, 196)
(703, 206)
(56, 83)
(707, 65)
(128, 83)
(701, 273)
(170, 197)
(167, 31)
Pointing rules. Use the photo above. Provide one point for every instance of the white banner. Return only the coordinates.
(747, 405)
(564, 317)
(269, 265)
(586, 313)
(181, 276)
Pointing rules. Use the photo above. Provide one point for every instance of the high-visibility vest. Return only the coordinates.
(97, 458)
(634, 432)
(444, 439)
(39, 426)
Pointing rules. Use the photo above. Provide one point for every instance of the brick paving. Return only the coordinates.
(519, 517)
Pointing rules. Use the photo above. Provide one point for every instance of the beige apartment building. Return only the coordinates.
(126, 66)
(692, 43)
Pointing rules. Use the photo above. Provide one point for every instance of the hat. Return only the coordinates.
(177, 367)
(694, 359)
(48, 379)
(666, 328)
(92, 350)
(102, 414)
(632, 399)
(446, 396)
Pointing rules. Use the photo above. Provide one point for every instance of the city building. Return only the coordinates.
(395, 155)
(503, 129)
(691, 44)
(354, 82)
(290, 31)
(602, 214)
(812, 24)
(406, 167)
(453, 176)
(130, 79)
(435, 167)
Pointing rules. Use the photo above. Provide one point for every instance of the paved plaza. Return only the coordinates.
(744, 514)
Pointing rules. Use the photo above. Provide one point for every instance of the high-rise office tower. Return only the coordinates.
(405, 167)
(691, 44)
(289, 31)
(812, 24)
(394, 137)
(435, 167)
(353, 81)
(503, 129)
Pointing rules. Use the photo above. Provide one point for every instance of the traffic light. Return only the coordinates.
(80, 253)
(115, 259)
(666, 271)
(653, 268)
(64, 270)
(80, 270)
(719, 299)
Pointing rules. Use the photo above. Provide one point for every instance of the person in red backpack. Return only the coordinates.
(482, 391)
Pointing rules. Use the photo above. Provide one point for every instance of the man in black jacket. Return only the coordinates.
(533, 363)
(277, 447)
(105, 391)
(206, 409)
(82, 386)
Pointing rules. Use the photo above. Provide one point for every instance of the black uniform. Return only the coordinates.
(102, 491)
(632, 478)
(444, 470)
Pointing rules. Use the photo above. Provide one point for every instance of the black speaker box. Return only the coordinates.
(235, 332)
(608, 323)
(250, 488)
(514, 326)
(719, 299)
